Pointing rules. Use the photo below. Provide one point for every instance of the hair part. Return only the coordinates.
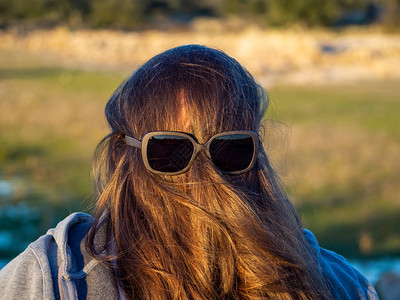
(202, 234)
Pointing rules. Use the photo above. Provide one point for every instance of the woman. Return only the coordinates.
(188, 205)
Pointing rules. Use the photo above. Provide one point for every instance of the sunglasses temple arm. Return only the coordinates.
(132, 142)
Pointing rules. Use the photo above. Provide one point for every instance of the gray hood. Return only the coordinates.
(58, 266)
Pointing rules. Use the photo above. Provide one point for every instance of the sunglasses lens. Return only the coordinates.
(232, 153)
(169, 153)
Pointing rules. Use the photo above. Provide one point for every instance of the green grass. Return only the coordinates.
(341, 162)
(338, 153)
(372, 106)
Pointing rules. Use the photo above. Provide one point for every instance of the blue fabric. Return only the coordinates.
(344, 281)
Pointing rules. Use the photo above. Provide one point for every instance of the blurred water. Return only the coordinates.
(373, 269)
(6, 239)
(3, 262)
(5, 188)
(19, 221)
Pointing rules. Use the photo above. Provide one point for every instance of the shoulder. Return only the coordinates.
(30, 273)
(55, 263)
(344, 281)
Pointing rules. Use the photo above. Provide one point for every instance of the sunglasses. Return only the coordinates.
(172, 153)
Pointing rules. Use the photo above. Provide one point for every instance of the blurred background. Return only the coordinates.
(331, 69)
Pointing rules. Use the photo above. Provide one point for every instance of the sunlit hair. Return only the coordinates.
(202, 234)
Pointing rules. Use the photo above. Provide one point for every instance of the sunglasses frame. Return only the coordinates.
(197, 147)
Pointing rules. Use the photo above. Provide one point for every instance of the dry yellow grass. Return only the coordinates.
(337, 156)
(273, 56)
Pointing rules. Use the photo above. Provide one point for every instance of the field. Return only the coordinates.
(336, 147)
(340, 162)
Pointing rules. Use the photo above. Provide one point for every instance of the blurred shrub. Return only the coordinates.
(307, 12)
(391, 17)
(34, 10)
(120, 14)
(136, 14)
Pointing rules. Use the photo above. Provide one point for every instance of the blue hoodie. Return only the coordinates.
(58, 266)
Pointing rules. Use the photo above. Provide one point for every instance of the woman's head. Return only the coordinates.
(201, 234)
(190, 88)
(193, 89)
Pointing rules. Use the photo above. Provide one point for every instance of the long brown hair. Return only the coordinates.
(202, 234)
